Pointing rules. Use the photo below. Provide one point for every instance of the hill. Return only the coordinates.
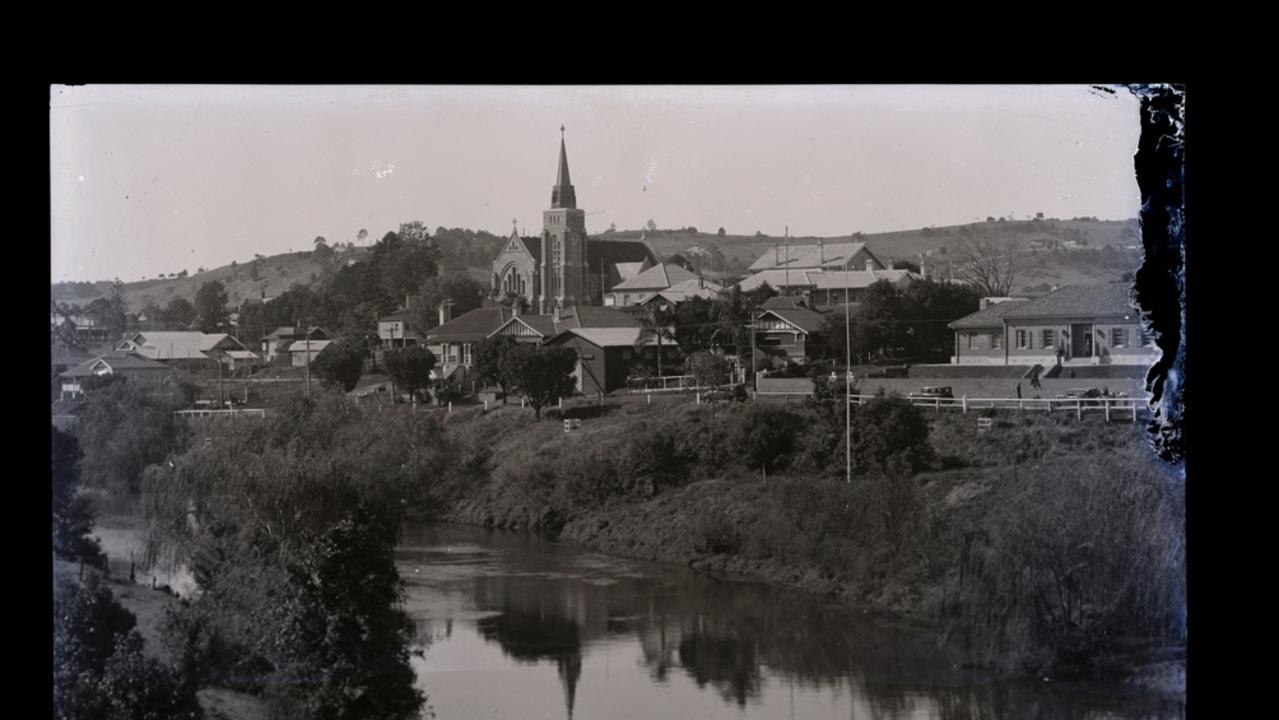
(262, 276)
(1100, 251)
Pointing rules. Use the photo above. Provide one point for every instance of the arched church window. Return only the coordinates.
(555, 250)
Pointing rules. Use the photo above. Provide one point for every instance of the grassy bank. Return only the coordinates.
(1047, 545)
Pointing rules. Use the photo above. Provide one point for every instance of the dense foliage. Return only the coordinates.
(295, 520)
(910, 320)
(341, 363)
(72, 519)
(124, 427)
(542, 374)
(410, 367)
(211, 307)
(99, 671)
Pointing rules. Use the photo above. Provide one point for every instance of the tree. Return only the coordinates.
(721, 232)
(892, 436)
(488, 362)
(926, 309)
(179, 310)
(322, 250)
(211, 306)
(991, 265)
(709, 369)
(465, 291)
(410, 367)
(340, 363)
(612, 228)
(543, 374)
(72, 519)
(362, 235)
(655, 324)
(404, 258)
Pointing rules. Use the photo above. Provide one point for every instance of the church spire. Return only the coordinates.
(562, 195)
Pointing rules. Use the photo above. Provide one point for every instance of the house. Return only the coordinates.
(788, 330)
(453, 342)
(671, 280)
(395, 330)
(122, 363)
(64, 357)
(604, 355)
(190, 350)
(1076, 324)
(87, 330)
(302, 352)
(281, 336)
(824, 288)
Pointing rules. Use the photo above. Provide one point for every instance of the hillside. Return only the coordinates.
(1101, 257)
(267, 276)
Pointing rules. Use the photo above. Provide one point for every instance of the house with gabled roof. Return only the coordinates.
(189, 349)
(453, 342)
(274, 342)
(120, 363)
(790, 331)
(1076, 324)
(604, 355)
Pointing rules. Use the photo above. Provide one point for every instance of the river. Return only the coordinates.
(510, 625)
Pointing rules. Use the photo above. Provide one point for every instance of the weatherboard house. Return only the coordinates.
(1076, 324)
(563, 267)
(823, 273)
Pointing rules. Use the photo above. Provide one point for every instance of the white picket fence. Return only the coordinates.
(1105, 405)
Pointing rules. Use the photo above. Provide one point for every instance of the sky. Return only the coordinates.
(160, 178)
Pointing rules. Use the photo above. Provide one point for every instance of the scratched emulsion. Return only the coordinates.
(1160, 168)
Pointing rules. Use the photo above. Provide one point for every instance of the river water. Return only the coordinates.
(514, 626)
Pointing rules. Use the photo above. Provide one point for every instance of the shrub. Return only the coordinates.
(887, 432)
(72, 519)
(714, 532)
(764, 437)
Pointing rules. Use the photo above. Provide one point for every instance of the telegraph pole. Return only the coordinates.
(848, 384)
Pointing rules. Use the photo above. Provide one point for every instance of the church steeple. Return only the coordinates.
(562, 195)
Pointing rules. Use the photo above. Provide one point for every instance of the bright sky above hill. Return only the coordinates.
(157, 179)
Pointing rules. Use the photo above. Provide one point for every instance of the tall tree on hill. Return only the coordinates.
(543, 374)
(211, 306)
(403, 263)
(991, 265)
(179, 310)
(465, 292)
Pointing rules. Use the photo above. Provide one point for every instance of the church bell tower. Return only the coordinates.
(563, 244)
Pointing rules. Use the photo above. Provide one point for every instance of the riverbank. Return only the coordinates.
(982, 495)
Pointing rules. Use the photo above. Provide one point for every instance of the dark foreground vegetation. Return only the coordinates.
(1048, 545)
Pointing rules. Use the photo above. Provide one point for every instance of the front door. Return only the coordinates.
(1080, 341)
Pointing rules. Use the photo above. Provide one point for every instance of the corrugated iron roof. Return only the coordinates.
(991, 317)
(1108, 300)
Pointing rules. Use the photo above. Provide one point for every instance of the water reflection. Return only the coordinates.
(631, 639)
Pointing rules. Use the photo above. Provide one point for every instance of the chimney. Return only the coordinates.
(983, 303)
(557, 314)
(515, 308)
(446, 311)
(870, 264)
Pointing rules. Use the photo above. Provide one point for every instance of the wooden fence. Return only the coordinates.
(1105, 405)
(247, 412)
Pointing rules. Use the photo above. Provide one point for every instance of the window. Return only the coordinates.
(996, 340)
(1023, 340)
(1046, 337)
(972, 341)
(1146, 339)
(1119, 337)
(466, 354)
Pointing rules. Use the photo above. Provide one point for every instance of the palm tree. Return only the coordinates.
(654, 325)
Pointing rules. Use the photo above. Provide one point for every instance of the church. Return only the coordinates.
(562, 267)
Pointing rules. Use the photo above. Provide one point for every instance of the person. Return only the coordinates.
(1058, 356)
(1034, 378)
(1018, 391)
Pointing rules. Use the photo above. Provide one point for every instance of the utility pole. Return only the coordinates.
(848, 384)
